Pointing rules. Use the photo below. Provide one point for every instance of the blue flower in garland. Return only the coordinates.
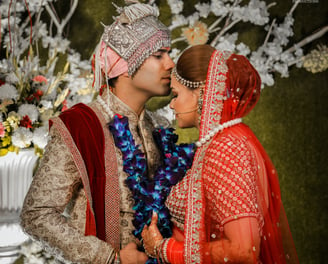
(150, 195)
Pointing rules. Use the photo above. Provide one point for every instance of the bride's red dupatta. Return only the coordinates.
(233, 188)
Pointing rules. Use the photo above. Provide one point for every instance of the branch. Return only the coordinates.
(225, 29)
(214, 30)
(178, 39)
(52, 15)
(290, 13)
(210, 29)
(309, 39)
(70, 14)
(272, 4)
(269, 32)
(60, 26)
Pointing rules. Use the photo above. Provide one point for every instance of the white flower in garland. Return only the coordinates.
(30, 110)
(22, 137)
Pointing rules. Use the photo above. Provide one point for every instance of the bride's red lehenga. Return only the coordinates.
(232, 189)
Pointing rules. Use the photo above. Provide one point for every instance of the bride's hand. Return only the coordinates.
(151, 236)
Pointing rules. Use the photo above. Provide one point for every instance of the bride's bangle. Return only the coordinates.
(152, 255)
(164, 250)
(117, 258)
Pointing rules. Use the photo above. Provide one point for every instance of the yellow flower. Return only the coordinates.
(13, 120)
(3, 152)
(197, 34)
(6, 141)
(13, 148)
(316, 60)
(7, 126)
(4, 104)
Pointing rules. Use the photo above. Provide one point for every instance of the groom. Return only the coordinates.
(78, 205)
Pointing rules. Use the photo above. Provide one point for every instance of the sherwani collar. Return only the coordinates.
(119, 107)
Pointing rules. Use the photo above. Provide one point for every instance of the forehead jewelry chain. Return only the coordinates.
(185, 82)
(216, 129)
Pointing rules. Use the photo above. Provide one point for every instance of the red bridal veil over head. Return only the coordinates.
(245, 183)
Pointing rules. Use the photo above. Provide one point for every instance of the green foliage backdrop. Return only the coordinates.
(291, 119)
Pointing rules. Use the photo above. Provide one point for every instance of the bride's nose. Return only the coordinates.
(172, 103)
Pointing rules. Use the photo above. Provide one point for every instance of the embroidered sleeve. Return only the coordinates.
(54, 209)
(229, 180)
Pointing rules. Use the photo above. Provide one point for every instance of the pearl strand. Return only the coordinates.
(105, 106)
(212, 133)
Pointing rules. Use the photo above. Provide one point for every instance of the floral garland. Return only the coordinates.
(150, 195)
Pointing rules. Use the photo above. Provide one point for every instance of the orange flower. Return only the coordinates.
(196, 35)
(40, 79)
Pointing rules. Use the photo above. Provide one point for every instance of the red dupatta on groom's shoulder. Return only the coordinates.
(83, 134)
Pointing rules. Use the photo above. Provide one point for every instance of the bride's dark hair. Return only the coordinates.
(193, 63)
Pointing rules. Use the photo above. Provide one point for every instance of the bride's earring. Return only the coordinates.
(200, 103)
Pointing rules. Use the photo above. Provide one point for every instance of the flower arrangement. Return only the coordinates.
(29, 96)
(33, 91)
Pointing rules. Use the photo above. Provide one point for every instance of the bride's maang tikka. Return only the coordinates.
(136, 34)
(183, 81)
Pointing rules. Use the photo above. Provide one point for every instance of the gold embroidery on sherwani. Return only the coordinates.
(43, 216)
(57, 189)
(141, 128)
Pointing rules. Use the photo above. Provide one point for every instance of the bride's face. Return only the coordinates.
(184, 104)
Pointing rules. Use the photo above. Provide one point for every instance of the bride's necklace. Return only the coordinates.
(216, 129)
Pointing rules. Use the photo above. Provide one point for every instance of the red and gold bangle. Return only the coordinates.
(164, 250)
(174, 252)
(117, 258)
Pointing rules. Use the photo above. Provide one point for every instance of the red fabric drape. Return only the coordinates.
(233, 181)
(87, 133)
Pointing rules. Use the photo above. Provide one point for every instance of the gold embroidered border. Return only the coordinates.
(77, 158)
(112, 192)
(211, 114)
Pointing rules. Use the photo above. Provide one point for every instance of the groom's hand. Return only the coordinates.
(130, 255)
